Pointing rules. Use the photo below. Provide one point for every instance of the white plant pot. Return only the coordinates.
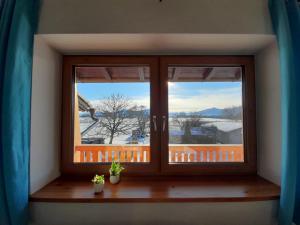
(114, 179)
(98, 188)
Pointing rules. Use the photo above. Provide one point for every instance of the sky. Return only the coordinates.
(183, 96)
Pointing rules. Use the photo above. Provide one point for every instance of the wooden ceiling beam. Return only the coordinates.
(175, 73)
(107, 74)
(238, 73)
(209, 73)
(141, 73)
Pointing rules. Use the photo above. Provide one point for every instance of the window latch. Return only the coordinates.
(154, 122)
(164, 123)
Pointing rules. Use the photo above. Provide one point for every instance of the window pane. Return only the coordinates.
(205, 114)
(112, 114)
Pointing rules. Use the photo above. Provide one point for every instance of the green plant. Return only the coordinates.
(115, 168)
(98, 179)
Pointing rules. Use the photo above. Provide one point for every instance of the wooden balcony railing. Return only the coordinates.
(177, 153)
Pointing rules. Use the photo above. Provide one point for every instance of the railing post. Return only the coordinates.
(176, 153)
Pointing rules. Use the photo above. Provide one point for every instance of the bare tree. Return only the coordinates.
(206, 135)
(113, 113)
(143, 119)
(185, 123)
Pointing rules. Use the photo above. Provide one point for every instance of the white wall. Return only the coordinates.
(150, 16)
(46, 144)
(158, 43)
(268, 113)
(45, 115)
(238, 213)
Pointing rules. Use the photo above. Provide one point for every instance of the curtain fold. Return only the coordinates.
(18, 22)
(286, 23)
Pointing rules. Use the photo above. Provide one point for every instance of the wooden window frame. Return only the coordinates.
(159, 94)
(69, 63)
(249, 166)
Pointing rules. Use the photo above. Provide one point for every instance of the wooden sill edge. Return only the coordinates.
(225, 189)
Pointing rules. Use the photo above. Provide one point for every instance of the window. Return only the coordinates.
(159, 115)
(112, 114)
(205, 119)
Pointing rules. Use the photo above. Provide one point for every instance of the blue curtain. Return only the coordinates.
(286, 22)
(18, 21)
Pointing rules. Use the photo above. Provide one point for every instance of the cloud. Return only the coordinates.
(205, 98)
(193, 99)
(197, 103)
(137, 100)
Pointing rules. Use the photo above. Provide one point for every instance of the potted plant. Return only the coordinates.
(98, 182)
(115, 170)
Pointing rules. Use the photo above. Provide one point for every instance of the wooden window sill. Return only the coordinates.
(163, 189)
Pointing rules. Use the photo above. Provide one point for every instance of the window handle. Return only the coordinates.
(154, 123)
(164, 123)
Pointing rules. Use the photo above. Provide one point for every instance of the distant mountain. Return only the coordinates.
(211, 112)
(87, 114)
(230, 113)
(130, 113)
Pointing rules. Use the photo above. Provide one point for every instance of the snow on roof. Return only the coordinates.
(226, 126)
(83, 104)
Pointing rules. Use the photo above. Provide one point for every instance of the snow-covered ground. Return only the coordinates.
(98, 131)
(224, 125)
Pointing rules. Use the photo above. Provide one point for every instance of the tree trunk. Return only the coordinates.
(111, 139)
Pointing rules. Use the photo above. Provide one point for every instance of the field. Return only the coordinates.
(176, 130)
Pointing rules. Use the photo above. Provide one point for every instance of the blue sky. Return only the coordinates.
(183, 96)
(96, 91)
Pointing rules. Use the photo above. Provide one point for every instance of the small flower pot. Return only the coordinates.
(98, 188)
(114, 179)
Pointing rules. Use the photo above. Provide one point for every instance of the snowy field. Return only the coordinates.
(225, 125)
(98, 131)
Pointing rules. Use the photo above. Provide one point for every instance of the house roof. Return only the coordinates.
(83, 104)
(227, 126)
